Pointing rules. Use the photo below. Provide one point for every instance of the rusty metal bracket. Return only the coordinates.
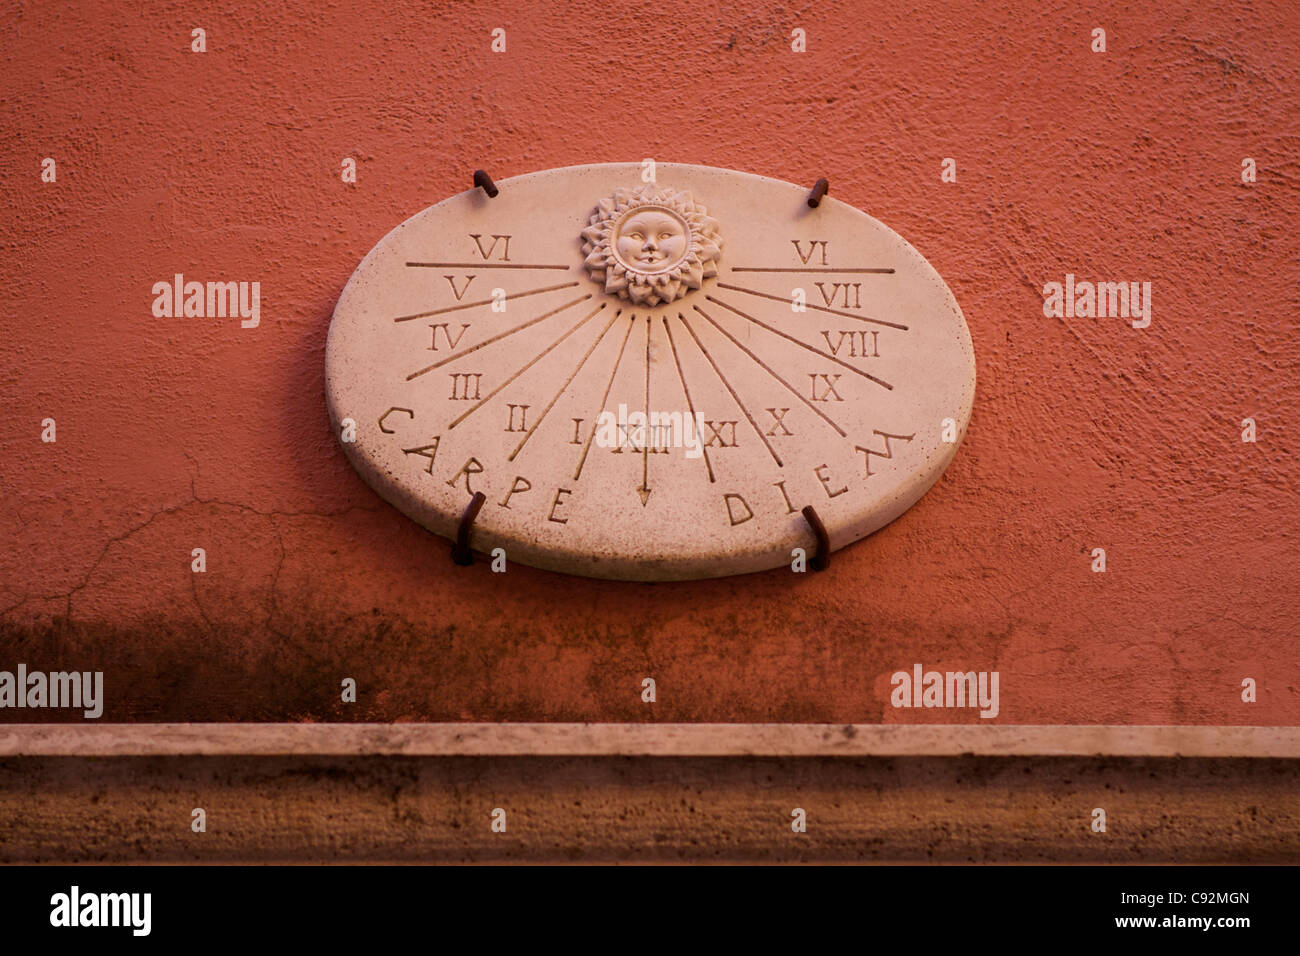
(460, 552)
(820, 189)
(483, 180)
(821, 560)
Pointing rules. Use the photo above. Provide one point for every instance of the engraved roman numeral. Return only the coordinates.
(487, 254)
(849, 301)
(778, 421)
(829, 390)
(523, 418)
(639, 437)
(812, 248)
(443, 327)
(724, 434)
(463, 289)
(856, 340)
(464, 386)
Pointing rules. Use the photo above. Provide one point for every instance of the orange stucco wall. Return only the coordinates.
(1087, 433)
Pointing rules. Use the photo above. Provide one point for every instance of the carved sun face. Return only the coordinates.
(651, 246)
(650, 239)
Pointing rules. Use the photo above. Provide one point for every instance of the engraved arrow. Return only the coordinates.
(644, 490)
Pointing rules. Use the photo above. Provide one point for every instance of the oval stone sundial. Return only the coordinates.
(648, 380)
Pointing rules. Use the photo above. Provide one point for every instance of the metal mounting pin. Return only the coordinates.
(821, 560)
(460, 552)
(820, 189)
(482, 179)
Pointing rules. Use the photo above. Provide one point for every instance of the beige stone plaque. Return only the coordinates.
(648, 380)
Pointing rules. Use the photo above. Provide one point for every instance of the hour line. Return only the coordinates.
(605, 398)
(784, 335)
(644, 490)
(689, 404)
(763, 365)
(757, 431)
(478, 265)
(572, 375)
(879, 272)
(531, 362)
(471, 305)
(819, 308)
(498, 338)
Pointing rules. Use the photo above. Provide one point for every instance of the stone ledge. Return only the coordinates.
(658, 740)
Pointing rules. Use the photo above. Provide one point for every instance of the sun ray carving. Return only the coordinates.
(650, 246)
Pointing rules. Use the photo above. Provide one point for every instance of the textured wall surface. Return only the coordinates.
(401, 809)
(180, 433)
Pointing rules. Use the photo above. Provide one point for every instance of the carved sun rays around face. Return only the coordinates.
(651, 246)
